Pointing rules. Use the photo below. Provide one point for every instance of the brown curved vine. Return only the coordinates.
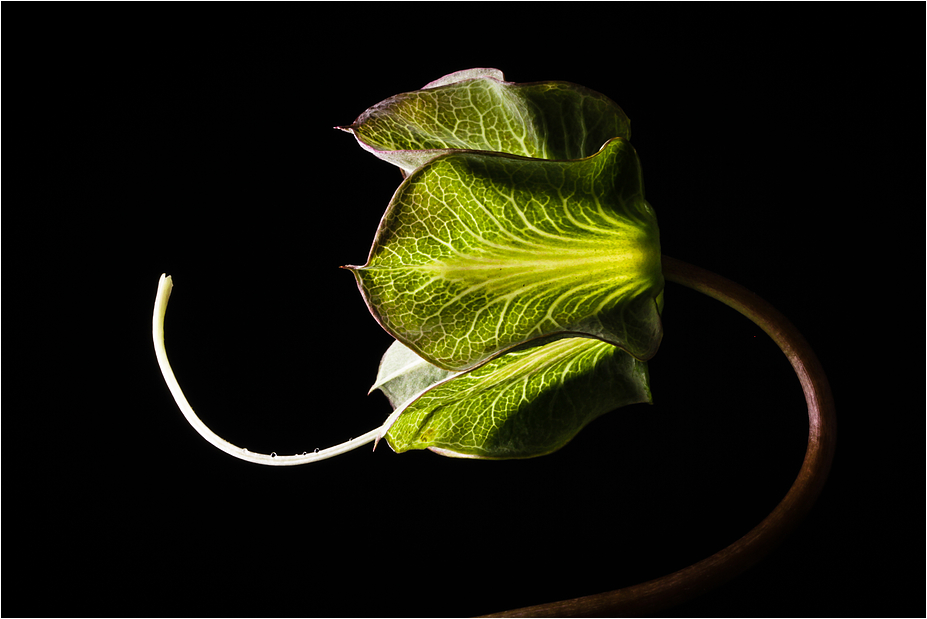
(698, 578)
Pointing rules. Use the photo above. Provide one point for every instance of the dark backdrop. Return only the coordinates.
(778, 150)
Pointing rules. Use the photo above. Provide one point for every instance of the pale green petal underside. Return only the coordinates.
(478, 253)
(403, 374)
(523, 404)
(477, 110)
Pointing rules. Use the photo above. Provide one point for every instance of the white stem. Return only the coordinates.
(157, 332)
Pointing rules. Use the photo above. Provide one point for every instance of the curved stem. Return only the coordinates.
(678, 587)
(157, 331)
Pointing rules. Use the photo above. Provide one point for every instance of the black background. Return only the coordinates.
(781, 147)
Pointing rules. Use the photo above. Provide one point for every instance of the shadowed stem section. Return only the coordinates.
(678, 587)
(157, 331)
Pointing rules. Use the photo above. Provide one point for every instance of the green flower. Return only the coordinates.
(519, 256)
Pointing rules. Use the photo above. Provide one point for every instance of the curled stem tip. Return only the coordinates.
(165, 284)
